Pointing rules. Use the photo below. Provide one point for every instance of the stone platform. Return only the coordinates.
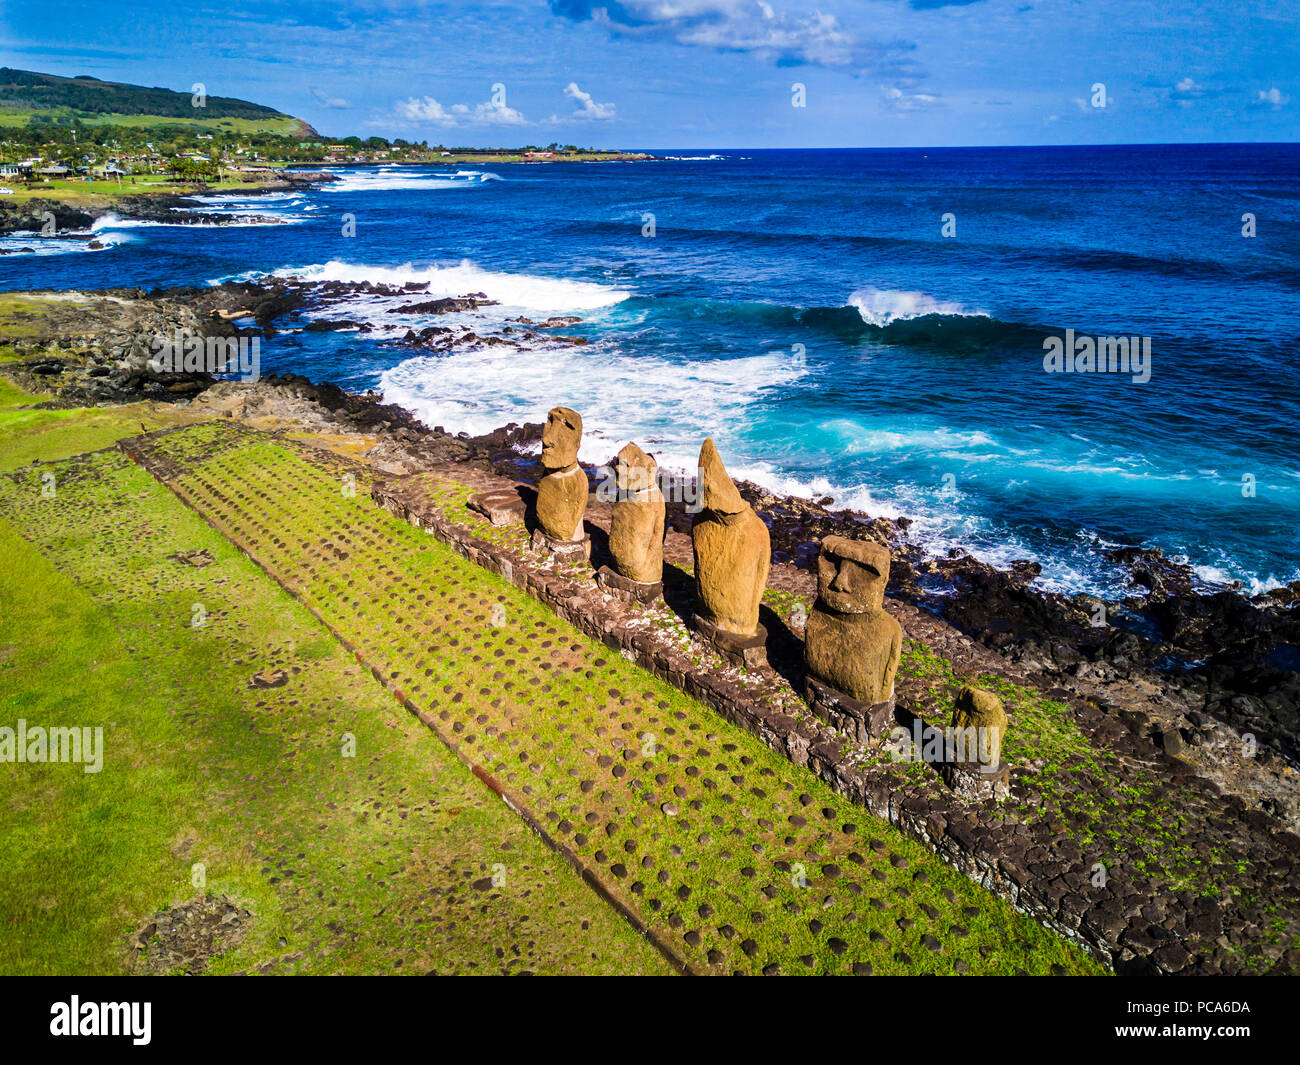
(1028, 857)
(624, 587)
(560, 550)
(868, 723)
(743, 652)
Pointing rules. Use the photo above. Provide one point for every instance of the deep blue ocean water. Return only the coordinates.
(805, 309)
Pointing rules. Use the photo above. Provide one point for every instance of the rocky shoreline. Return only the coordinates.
(1203, 676)
(73, 220)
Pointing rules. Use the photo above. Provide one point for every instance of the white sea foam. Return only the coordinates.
(265, 218)
(19, 243)
(515, 292)
(1216, 576)
(881, 306)
(853, 438)
(393, 179)
(621, 396)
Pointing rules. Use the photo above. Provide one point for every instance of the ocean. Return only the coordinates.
(868, 325)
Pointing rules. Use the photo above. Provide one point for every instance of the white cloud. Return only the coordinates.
(334, 102)
(1274, 98)
(1186, 92)
(898, 100)
(427, 110)
(587, 107)
(753, 26)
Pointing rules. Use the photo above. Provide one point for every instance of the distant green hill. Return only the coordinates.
(26, 96)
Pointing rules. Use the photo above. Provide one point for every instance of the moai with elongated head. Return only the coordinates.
(636, 529)
(851, 643)
(562, 491)
(732, 557)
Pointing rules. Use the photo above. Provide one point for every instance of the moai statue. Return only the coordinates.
(562, 492)
(978, 724)
(851, 644)
(973, 765)
(636, 529)
(732, 558)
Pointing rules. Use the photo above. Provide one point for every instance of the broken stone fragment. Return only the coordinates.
(979, 722)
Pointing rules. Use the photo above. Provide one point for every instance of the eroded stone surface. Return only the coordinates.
(732, 551)
(850, 642)
(562, 493)
(979, 716)
(636, 531)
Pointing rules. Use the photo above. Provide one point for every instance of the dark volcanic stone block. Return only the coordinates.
(625, 587)
(501, 507)
(864, 722)
(749, 652)
(562, 550)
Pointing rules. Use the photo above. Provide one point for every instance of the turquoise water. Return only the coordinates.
(807, 311)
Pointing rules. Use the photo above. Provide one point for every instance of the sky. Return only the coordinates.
(660, 74)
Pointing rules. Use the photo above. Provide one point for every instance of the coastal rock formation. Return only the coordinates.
(636, 530)
(444, 305)
(562, 492)
(851, 643)
(981, 711)
(732, 557)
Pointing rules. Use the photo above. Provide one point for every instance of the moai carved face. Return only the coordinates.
(635, 472)
(560, 438)
(716, 490)
(852, 574)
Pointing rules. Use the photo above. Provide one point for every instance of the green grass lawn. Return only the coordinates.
(90, 194)
(13, 117)
(380, 862)
(48, 435)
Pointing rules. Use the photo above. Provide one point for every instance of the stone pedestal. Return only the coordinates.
(865, 722)
(502, 506)
(747, 652)
(972, 780)
(626, 588)
(561, 550)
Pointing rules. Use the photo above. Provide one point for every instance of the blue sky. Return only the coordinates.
(705, 73)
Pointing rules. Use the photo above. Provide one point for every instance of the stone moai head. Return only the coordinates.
(635, 473)
(852, 574)
(560, 438)
(716, 490)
